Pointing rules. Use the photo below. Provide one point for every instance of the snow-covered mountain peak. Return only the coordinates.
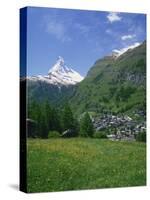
(59, 74)
(58, 66)
(62, 74)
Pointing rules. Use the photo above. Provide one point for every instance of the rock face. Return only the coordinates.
(68, 133)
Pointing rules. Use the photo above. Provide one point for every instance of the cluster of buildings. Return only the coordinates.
(119, 127)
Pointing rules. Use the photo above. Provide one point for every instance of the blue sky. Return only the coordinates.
(80, 37)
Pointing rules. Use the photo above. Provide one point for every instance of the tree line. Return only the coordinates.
(45, 118)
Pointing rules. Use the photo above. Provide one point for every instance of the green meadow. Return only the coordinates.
(84, 163)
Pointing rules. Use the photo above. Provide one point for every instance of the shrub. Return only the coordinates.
(141, 137)
(100, 134)
(53, 134)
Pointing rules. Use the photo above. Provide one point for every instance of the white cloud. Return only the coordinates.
(108, 31)
(82, 28)
(57, 29)
(113, 17)
(60, 30)
(123, 50)
(126, 37)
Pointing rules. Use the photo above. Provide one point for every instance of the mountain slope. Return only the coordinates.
(114, 84)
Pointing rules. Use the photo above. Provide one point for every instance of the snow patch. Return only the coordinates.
(119, 52)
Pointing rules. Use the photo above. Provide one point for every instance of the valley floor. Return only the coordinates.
(84, 163)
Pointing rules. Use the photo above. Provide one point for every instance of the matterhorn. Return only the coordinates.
(59, 74)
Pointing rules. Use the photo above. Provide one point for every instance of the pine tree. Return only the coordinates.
(48, 116)
(86, 126)
(68, 121)
(35, 114)
(52, 118)
(43, 126)
(56, 124)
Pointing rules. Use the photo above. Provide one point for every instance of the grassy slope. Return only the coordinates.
(100, 89)
(71, 164)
